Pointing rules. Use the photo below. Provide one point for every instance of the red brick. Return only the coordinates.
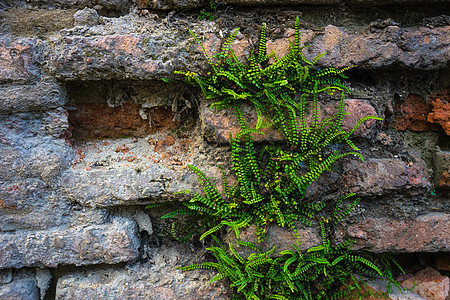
(428, 283)
(412, 115)
(98, 120)
(427, 233)
(440, 113)
(384, 175)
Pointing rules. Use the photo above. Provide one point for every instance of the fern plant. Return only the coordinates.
(322, 272)
(272, 180)
(209, 13)
(271, 183)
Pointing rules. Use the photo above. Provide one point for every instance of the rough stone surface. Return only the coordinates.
(98, 4)
(29, 204)
(23, 289)
(27, 151)
(428, 283)
(427, 233)
(113, 56)
(43, 280)
(98, 120)
(412, 115)
(72, 202)
(17, 62)
(441, 113)
(154, 279)
(442, 167)
(23, 98)
(109, 243)
(380, 286)
(178, 4)
(101, 53)
(217, 126)
(277, 237)
(384, 175)
(86, 17)
(102, 188)
(135, 171)
(5, 276)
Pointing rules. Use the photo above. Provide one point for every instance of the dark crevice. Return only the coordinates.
(50, 294)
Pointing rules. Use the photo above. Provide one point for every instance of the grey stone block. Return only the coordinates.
(103, 188)
(24, 98)
(108, 243)
(117, 51)
(86, 17)
(27, 149)
(155, 279)
(44, 161)
(5, 276)
(30, 204)
(22, 289)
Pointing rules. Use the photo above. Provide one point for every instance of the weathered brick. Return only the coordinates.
(372, 50)
(412, 115)
(383, 176)
(84, 245)
(393, 45)
(441, 111)
(98, 120)
(155, 279)
(217, 126)
(381, 286)
(427, 233)
(428, 283)
(159, 52)
(113, 56)
(416, 115)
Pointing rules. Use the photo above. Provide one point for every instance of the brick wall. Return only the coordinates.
(89, 135)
